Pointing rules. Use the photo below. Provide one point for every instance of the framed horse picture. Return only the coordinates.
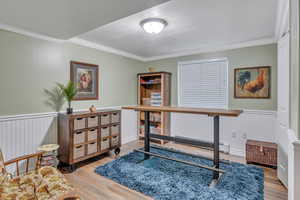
(86, 79)
(252, 82)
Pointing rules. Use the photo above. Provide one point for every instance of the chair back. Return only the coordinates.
(2, 166)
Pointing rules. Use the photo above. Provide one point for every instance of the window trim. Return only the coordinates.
(180, 64)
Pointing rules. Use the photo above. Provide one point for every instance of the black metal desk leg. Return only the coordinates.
(216, 145)
(147, 136)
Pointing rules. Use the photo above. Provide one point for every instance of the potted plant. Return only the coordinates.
(69, 92)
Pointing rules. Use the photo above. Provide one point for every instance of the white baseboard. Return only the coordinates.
(237, 152)
(129, 139)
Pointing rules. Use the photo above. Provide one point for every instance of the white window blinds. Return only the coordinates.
(203, 84)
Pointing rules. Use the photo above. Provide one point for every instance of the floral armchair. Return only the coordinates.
(43, 183)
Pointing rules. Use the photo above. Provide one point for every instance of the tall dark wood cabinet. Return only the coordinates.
(85, 135)
(154, 89)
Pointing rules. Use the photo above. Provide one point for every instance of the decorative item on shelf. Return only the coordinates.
(86, 79)
(151, 69)
(146, 101)
(155, 99)
(69, 92)
(93, 109)
(49, 158)
(252, 82)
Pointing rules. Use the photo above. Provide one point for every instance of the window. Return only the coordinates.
(203, 83)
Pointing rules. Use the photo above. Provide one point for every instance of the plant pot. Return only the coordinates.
(69, 111)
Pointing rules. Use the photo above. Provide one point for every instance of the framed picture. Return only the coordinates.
(85, 77)
(252, 82)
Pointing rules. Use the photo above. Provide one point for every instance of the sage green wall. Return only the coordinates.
(265, 55)
(29, 65)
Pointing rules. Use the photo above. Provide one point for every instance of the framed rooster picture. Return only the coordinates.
(85, 77)
(252, 82)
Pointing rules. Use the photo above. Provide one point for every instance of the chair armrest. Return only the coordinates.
(37, 155)
(18, 159)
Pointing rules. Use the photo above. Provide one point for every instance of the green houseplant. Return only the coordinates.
(69, 92)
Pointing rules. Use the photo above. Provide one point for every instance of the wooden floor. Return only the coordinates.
(92, 186)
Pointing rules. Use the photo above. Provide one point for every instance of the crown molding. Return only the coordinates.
(29, 33)
(209, 49)
(78, 41)
(282, 19)
(104, 48)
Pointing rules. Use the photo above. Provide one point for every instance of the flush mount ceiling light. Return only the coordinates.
(153, 25)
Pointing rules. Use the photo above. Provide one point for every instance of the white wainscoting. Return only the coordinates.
(293, 165)
(129, 126)
(234, 131)
(23, 134)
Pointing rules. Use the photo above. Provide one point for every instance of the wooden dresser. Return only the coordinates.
(261, 152)
(85, 135)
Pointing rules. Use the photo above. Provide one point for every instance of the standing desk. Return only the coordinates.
(214, 113)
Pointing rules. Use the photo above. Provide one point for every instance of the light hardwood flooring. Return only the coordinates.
(92, 186)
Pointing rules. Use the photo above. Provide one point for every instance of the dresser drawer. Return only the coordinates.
(79, 123)
(104, 144)
(115, 129)
(104, 131)
(92, 134)
(92, 148)
(115, 117)
(105, 119)
(92, 121)
(78, 152)
(115, 140)
(79, 137)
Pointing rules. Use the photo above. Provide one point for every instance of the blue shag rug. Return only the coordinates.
(168, 180)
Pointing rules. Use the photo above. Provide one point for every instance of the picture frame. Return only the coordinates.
(85, 76)
(252, 82)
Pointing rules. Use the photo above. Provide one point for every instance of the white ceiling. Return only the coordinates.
(193, 25)
(63, 19)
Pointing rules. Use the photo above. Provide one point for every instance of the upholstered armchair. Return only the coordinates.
(40, 183)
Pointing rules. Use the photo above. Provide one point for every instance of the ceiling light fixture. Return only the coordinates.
(153, 25)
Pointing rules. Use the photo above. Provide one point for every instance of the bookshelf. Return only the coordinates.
(154, 89)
